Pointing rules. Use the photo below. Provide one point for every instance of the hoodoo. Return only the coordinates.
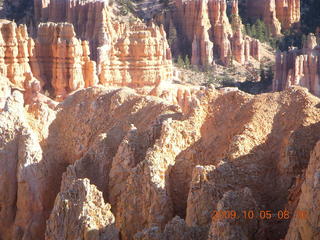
(159, 120)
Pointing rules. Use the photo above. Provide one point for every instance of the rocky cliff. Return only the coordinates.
(305, 221)
(277, 14)
(205, 31)
(62, 61)
(152, 161)
(127, 54)
(299, 67)
(14, 52)
(138, 56)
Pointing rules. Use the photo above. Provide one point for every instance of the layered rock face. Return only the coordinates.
(277, 14)
(306, 219)
(137, 56)
(62, 61)
(209, 33)
(131, 54)
(14, 52)
(163, 170)
(80, 213)
(299, 67)
(88, 17)
(288, 12)
(140, 56)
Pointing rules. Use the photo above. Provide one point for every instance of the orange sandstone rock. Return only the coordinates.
(140, 56)
(207, 30)
(277, 14)
(63, 59)
(299, 67)
(14, 55)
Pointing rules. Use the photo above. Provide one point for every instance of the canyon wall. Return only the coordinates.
(127, 54)
(299, 67)
(209, 34)
(277, 14)
(115, 164)
(140, 56)
(14, 52)
(62, 59)
(91, 47)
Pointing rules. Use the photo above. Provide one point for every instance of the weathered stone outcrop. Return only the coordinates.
(288, 12)
(270, 17)
(229, 228)
(140, 56)
(127, 54)
(14, 54)
(5, 91)
(25, 198)
(299, 67)
(80, 213)
(305, 222)
(208, 32)
(152, 161)
(277, 14)
(56, 58)
(88, 18)
(63, 59)
(175, 229)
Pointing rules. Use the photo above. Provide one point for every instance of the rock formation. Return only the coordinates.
(299, 67)
(237, 201)
(159, 160)
(208, 32)
(14, 54)
(277, 14)
(63, 60)
(288, 12)
(140, 56)
(88, 18)
(80, 213)
(164, 170)
(306, 217)
(132, 55)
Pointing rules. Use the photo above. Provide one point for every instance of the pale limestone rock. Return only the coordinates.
(229, 228)
(64, 60)
(5, 91)
(80, 212)
(24, 205)
(14, 55)
(277, 14)
(270, 18)
(140, 56)
(175, 229)
(305, 222)
(136, 55)
(288, 12)
(206, 30)
(299, 67)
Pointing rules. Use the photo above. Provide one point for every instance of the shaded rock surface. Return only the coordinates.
(163, 170)
(80, 213)
(277, 15)
(299, 67)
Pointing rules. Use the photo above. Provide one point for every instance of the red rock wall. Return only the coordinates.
(63, 59)
(277, 14)
(140, 56)
(207, 30)
(299, 67)
(14, 54)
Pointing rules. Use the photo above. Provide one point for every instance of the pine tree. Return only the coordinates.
(187, 61)
(180, 61)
